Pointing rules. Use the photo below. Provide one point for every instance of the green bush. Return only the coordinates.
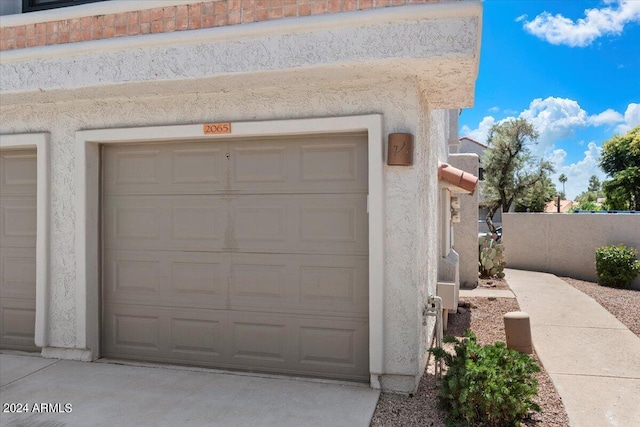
(490, 258)
(617, 265)
(489, 385)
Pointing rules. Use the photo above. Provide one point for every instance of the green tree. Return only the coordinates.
(587, 197)
(620, 159)
(616, 199)
(536, 198)
(587, 200)
(509, 167)
(587, 206)
(563, 178)
(594, 184)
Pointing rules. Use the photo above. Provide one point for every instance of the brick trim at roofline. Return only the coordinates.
(193, 16)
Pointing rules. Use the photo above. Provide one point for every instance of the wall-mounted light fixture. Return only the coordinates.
(400, 149)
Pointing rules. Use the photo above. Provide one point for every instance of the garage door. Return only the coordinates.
(248, 254)
(17, 249)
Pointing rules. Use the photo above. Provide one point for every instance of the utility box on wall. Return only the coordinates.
(448, 291)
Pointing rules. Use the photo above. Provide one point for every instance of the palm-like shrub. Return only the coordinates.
(487, 385)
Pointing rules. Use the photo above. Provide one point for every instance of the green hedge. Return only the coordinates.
(617, 265)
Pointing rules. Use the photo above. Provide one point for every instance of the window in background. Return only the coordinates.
(35, 5)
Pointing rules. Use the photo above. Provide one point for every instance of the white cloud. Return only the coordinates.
(521, 18)
(610, 20)
(557, 158)
(557, 119)
(631, 119)
(480, 133)
(494, 109)
(578, 173)
(608, 117)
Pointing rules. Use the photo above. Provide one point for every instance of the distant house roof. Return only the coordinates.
(565, 206)
(473, 140)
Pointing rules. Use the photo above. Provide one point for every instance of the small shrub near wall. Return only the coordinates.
(617, 265)
(487, 385)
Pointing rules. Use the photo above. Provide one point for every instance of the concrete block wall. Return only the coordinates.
(565, 244)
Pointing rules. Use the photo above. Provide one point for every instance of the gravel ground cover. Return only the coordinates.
(484, 317)
(622, 303)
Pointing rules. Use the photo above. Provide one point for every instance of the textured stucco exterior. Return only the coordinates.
(443, 54)
(210, 77)
(565, 244)
(466, 231)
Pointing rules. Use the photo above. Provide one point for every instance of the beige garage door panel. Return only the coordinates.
(166, 278)
(189, 223)
(240, 340)
(247, 254)
(18, 172)
(187, 168)
(310, 164)
(167, 334)
(18, 273)
(325, 223)
(18, 323)
(312, 284)
(17, 249)
(18, 226)
(320, 284)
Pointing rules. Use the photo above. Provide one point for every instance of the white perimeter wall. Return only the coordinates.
(565, 244)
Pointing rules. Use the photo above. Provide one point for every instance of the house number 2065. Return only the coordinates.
(215, 128)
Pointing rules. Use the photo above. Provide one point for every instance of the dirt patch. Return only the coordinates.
(493, 284)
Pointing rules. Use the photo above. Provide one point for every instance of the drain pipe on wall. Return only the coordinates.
(433, 307)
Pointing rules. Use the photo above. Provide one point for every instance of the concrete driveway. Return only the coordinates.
(104, 394)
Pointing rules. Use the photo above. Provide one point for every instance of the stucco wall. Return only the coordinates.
(434, 128)
(465, 236)
(401, 114)
(565, 244)
(266, 73)
(443, 54)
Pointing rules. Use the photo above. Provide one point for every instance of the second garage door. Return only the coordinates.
(17, 249)
(248, 254)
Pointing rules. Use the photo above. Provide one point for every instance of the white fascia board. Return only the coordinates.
(84, 10)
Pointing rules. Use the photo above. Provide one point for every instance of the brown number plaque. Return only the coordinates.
(216, 128)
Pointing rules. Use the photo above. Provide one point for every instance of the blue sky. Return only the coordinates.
(570, 67)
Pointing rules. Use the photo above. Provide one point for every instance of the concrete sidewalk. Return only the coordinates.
(486, 293)
(592, 358)
(103, 394)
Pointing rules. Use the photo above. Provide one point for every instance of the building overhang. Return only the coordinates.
(437, 44)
